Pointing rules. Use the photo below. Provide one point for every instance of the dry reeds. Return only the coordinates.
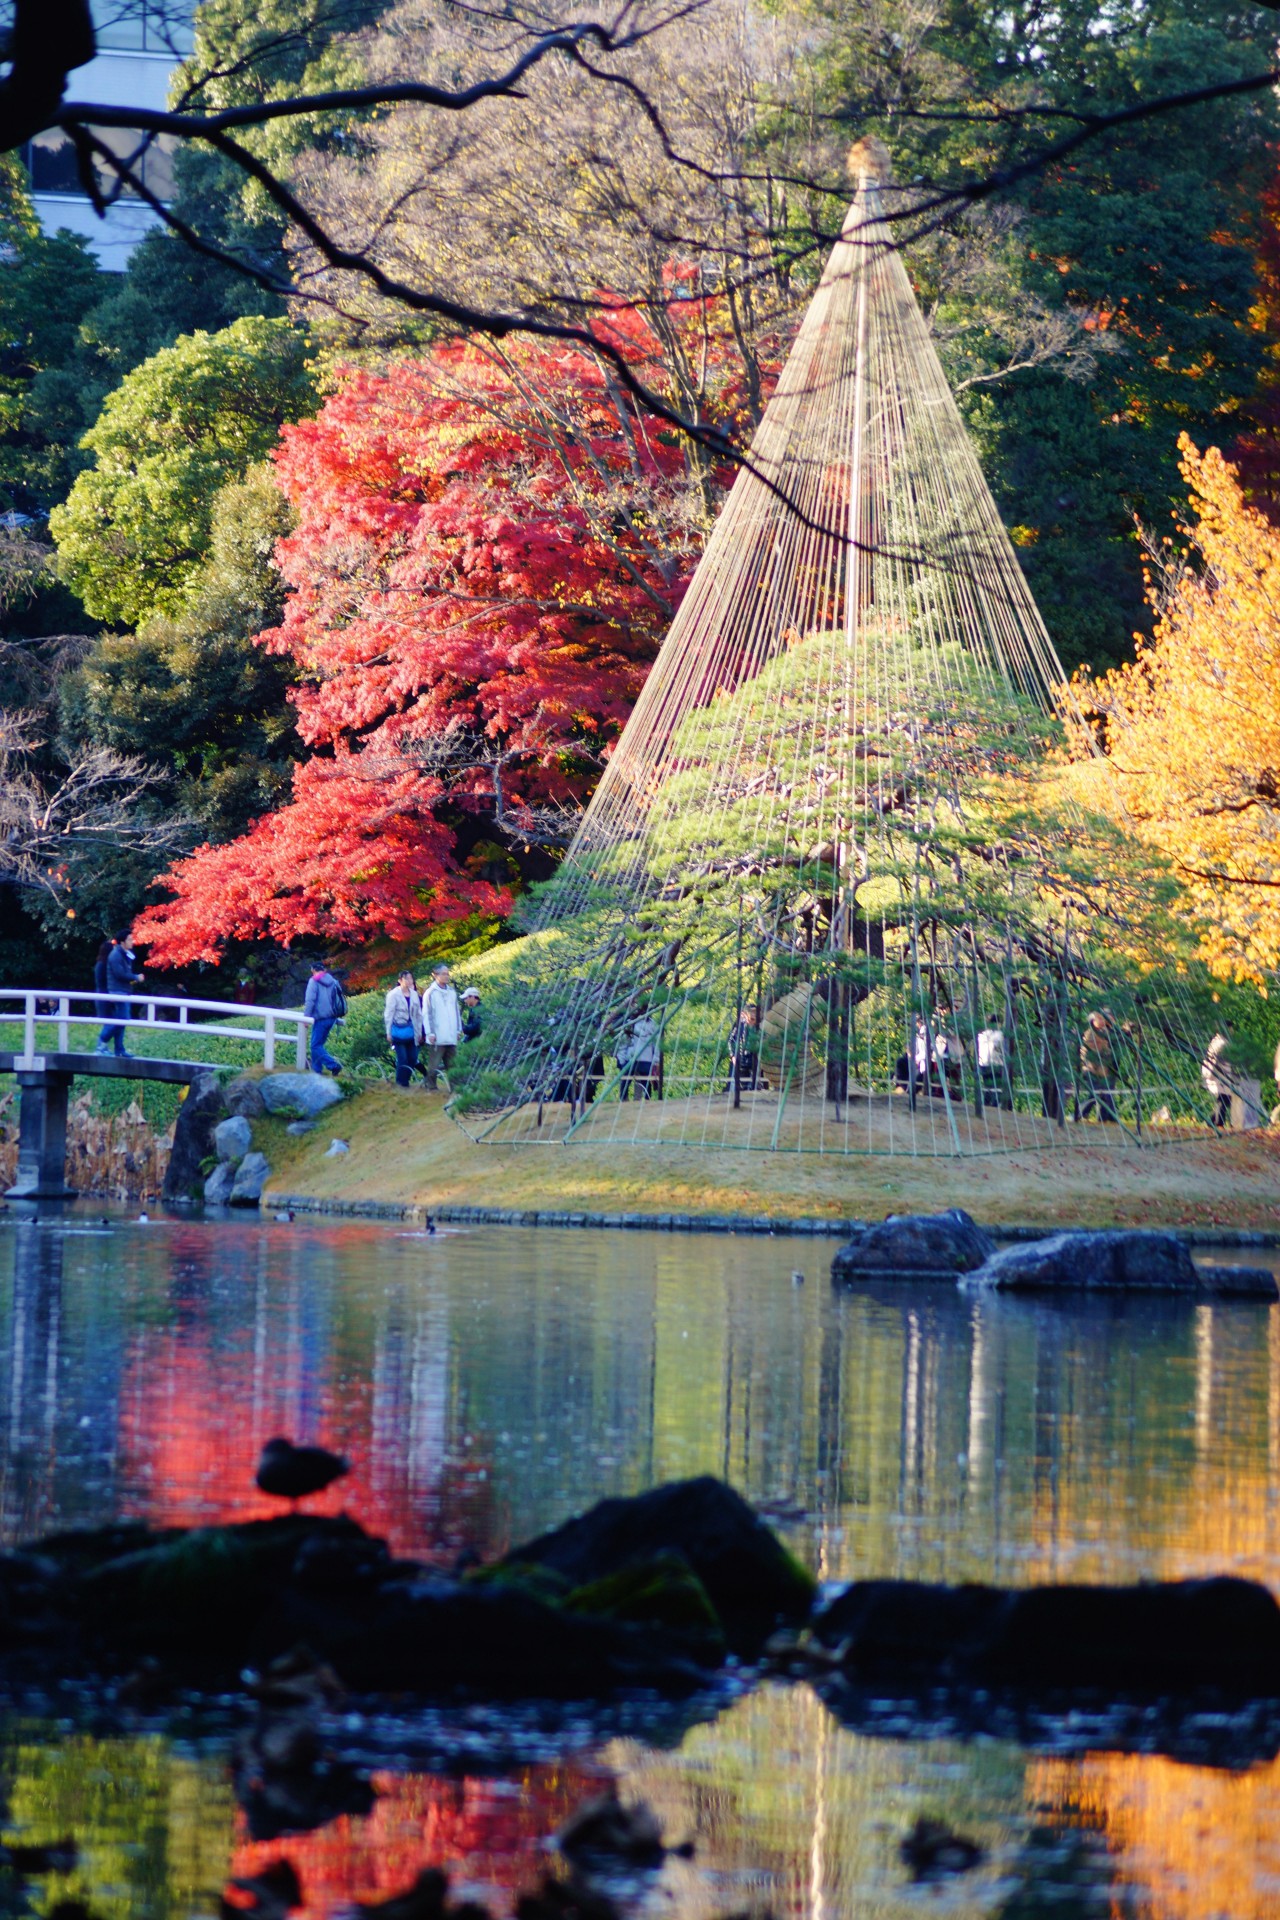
(117, 1156)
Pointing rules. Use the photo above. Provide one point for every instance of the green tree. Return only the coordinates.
(47, 285)
(1144, 238)
(136, 526)
(210, 705)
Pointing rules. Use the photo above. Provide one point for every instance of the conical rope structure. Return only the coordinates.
(835, 891)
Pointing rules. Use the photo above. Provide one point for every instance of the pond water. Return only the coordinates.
(489, 1383)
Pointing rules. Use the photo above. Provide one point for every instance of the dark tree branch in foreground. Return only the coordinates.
(49, 38)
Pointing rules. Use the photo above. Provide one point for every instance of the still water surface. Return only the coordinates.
(489, 1383)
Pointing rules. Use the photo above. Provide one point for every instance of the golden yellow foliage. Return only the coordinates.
(1191, 731)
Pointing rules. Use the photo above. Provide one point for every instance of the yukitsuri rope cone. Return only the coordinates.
(833, 892)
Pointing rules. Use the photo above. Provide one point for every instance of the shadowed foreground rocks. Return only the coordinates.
(1139, 1639)
(653, 1593)
(643, 1593)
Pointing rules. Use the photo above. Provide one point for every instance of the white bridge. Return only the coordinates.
(58, 1034)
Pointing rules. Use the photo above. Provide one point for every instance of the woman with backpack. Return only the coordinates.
(324, 1005)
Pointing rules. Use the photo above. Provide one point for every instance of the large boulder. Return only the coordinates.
(299, 1096)
(753, 1583)
(242, 1097)
(1114, 1260)
(193, 1148)
(1153, 1637)
(232, 1138)
(913, 1246)
(214, 1599)
(1238, 1283)
(217, 1188)
(251, 1177)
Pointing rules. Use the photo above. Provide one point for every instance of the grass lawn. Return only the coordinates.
(405, 1149)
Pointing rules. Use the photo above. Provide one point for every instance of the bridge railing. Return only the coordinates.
(36, 1007)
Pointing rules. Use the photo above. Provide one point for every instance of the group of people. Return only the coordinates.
(935, 1064)
(439, 1019)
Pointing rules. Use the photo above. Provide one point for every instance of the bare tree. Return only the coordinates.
(47, 825)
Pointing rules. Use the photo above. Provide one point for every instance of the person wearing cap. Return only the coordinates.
(472, 1024)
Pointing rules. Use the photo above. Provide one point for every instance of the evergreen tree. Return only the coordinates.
(135, 527)
(1145, 236)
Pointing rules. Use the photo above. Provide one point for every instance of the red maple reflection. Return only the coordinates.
(193, 1418)
(487, 1835)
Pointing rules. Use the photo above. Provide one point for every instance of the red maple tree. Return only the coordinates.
(491, 541)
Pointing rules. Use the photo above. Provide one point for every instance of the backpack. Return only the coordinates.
(338, 999)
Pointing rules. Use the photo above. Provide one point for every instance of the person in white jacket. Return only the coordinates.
(442, 1020)
(402, 1018)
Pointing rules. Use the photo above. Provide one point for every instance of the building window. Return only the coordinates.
(143, 26)
(51, 162)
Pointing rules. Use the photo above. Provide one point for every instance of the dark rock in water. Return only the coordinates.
(198, 1594)
(915, 1246)
(1157, 1637)
(1239, 1283)
(753, 1583)
(347, 1563)
(1117, 1260)
(908, 1624)
(193, 1142)
(251, 1177)
(434, 1635)
(931, 1850)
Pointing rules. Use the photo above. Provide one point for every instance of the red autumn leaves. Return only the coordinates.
(490, 544)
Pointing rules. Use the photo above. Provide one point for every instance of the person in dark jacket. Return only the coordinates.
(118, 976)
(324, 1005)
(100, 979)
(472, 1022)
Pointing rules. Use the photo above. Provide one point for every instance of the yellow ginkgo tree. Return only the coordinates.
(1191, 730)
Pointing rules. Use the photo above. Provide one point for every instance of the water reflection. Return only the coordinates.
(488, 1384)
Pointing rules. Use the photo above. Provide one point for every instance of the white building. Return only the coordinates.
(139, 44)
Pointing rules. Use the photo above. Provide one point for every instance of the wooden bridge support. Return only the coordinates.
(45, 1082)
(42, 1136)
